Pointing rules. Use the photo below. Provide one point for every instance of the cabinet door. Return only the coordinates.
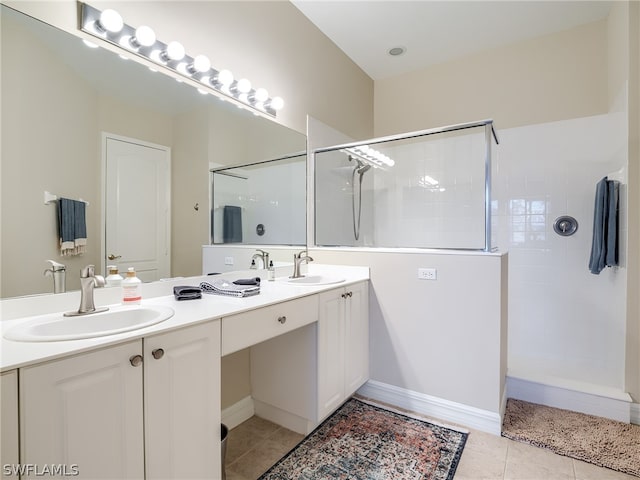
(331, 378)
(182, 403)
(9, 421)
(85, 413)
(356, 337)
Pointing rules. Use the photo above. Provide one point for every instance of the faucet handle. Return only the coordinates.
(88, 271)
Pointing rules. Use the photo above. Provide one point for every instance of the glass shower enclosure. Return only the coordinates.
(427, 189)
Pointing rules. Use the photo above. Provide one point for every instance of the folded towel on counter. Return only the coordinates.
(248, 281)
(187, 292)
(604, 244)
(72, 226)
(224, 287)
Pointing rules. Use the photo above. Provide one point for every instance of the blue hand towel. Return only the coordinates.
(232, 224)
(72, 226)
(604, 244)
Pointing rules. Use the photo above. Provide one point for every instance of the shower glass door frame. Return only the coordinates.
(490, 136)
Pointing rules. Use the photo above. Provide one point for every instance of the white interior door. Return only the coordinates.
(137, 207)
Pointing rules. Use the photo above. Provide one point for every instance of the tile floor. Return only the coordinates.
(255, 445)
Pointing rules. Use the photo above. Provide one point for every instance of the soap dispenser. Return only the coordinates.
(131, 288)
(114, 279)
(271, 273)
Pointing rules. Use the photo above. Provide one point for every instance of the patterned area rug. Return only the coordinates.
(596, 440)
(364, 441)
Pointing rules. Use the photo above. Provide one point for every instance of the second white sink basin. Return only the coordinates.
(312, 280)
(56, 327)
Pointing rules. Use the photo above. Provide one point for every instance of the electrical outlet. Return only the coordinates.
(427, 274)
(228, 260)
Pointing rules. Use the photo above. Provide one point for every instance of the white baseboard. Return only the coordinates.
(435, 407)
(283, 418)
(615, 406)
(238, 412)
(635, 413)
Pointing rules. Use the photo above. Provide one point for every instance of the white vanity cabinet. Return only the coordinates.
(142, 409)
(182, 403)
(299, 378)
(85, 412)
(343, 345)
(9, 421)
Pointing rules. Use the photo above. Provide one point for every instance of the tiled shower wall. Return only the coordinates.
(564, 321)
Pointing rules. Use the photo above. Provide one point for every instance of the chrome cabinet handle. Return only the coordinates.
(158, 353)
(114, 257)
(344, 295)
(282, 319)
(136, 360)
(349, 294)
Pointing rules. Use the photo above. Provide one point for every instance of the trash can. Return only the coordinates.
(224, 433)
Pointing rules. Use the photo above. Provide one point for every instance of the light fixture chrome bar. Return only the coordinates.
(172, 56)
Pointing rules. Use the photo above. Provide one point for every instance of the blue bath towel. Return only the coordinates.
(72, 226)
(232, 224)
(604, 245)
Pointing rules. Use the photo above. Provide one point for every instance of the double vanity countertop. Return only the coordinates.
(16, 354)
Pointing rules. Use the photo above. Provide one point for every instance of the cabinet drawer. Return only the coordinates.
(246, 329)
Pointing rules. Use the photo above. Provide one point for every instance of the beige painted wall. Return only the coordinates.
(554, 77)
(271, 43)
(633, 191)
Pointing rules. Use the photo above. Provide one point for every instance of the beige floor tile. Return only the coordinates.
(248, 435)
(526, 462)
(483, 457)
(258, 460)
(587, 471)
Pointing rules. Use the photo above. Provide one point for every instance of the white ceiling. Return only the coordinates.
(438, 31)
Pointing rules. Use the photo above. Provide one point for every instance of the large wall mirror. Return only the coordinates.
(58, 99)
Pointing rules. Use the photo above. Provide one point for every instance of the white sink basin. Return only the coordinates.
(55, 327)
(312, 280)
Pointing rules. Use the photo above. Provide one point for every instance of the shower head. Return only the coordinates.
(361, 167)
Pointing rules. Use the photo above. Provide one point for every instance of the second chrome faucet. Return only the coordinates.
(298, 259)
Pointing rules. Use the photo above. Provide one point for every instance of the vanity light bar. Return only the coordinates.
(109, 26)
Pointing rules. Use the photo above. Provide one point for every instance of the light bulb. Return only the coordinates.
(244, 85)
(110, 21)
(277, 103)
(225, 78)
(89, 44)
(174, 51)
(201, 64)
(261, 95)
(144, 37)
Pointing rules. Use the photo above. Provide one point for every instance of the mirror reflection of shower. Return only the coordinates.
(365, 158)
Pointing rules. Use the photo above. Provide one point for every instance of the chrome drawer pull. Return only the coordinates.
(282, 319)
(158, 353)
(136, 360)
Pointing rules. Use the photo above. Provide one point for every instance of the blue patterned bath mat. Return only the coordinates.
(366, 442)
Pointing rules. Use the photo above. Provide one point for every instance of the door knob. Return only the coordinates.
(158, 353)
(136, 360)
(114, 257)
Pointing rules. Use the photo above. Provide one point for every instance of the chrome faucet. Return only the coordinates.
(298, 258)
(58, 272)
(263, 256)
(88, 281)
